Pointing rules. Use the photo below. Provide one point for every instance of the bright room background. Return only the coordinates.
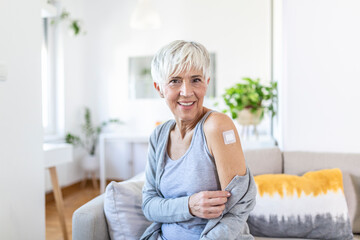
(96, 70)
(312, 50)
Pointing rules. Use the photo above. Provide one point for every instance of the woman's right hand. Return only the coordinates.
(208, 204)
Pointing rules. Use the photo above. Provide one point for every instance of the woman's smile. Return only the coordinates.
(186, 104)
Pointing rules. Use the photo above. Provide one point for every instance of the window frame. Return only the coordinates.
(52, 75)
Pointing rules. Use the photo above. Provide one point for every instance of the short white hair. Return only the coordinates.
(179, 56)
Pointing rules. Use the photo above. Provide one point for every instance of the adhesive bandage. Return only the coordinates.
(229, 137)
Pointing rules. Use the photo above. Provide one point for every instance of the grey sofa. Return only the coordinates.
(89, 221)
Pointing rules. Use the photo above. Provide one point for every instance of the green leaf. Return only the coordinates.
(75, 26)
(64, 15)
(233, 115)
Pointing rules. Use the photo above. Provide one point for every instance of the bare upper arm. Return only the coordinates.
(229, 158)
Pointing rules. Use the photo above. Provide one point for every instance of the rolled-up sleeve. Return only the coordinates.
(232, 224)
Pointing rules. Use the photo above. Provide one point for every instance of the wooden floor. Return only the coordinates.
(72, 200)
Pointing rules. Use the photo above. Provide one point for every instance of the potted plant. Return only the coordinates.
(247, 101)
(89, 141)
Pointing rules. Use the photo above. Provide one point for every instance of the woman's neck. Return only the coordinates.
(184, 127)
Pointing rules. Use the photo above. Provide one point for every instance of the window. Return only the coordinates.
(52, 103)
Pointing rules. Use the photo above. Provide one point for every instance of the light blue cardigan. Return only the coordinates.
(230, 225)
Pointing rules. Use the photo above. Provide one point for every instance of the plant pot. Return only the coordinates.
(246, 117)
(90, 163)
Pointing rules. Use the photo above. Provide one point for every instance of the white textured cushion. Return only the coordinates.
(311, 206)
(122, 207)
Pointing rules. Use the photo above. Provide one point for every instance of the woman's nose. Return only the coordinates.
(186, 89)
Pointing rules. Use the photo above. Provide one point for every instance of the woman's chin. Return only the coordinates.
(187, 115)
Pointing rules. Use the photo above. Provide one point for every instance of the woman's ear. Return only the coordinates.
(208, 81)
(157, 87)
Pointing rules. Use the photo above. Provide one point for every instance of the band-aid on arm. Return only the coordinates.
(229, 137)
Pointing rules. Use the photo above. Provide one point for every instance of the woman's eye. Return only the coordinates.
(174, 81)
(196, 80)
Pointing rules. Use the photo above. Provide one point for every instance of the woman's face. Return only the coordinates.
(184, 94)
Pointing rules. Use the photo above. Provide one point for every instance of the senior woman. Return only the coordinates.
(197, 184)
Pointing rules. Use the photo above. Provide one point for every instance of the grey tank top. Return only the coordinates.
(194, 172)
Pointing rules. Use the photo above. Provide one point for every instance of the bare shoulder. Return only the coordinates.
(217, 123)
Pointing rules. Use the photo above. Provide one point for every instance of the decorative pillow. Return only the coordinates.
(351, 200)
(356, 184)
(311, 206)
(122, 207)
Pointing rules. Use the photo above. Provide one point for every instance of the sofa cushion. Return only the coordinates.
(262, 161)
(298, 163)
(312, 206)
(88, 221)
(265, 238)
(122, 207)
(356, 184)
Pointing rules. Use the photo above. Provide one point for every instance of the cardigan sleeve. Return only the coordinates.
(156, 208)
(232, 224)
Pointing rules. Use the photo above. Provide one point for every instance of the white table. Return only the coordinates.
(55, 154)
(130, 139)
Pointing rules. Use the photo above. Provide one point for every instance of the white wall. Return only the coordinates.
(320, 75)
(21, 157)
(96, 67)
(237, 31)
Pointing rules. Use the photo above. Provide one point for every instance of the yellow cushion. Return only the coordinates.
(315, 183)
(308, 206)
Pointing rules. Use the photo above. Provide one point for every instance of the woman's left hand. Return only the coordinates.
(208, 204)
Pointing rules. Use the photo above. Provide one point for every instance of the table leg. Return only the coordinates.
(102, 163)
(58, 200)
(93, 177)
(131, 159)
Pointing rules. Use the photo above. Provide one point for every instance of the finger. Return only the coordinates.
(209, 202)
(214, 212)
(215, 194)
(217, 209)
(216, 201)
(210, 216)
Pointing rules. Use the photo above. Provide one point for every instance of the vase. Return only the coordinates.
(90, 163)
(246, 117)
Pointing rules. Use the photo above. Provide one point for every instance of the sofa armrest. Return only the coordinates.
(88, 221)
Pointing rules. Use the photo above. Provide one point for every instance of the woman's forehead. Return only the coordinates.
(187, 73)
